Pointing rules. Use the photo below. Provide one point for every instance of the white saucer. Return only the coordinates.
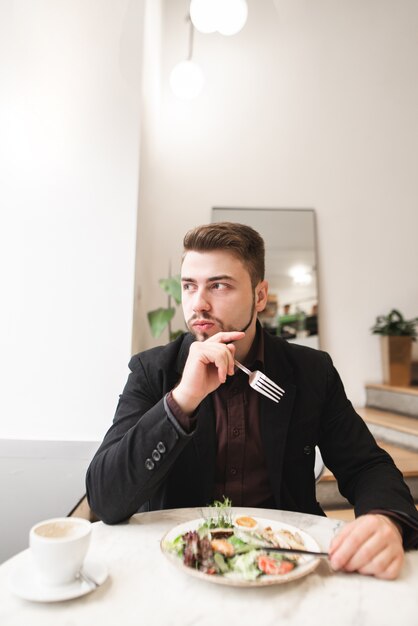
(24, 582)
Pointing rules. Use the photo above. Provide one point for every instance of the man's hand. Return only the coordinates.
(207, 366)
(372, 545)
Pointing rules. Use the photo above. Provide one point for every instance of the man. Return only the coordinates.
(189, 428)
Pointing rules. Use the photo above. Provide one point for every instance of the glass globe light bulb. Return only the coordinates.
(187, 80)
(204, 15)
(232, 16)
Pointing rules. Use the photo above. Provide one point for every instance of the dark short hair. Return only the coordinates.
(242, 241)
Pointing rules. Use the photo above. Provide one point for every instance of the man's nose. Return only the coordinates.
(200, 302)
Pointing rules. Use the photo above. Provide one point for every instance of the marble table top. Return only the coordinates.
(143, 587)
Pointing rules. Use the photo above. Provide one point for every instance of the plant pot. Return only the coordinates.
(396, 360)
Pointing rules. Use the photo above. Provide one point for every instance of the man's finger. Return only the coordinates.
(349, 541)
(374, 554)
(386, 564)
(226, 336)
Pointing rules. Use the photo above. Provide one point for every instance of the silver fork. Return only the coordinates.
(261, 383)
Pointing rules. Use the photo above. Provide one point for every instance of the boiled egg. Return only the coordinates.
(245, 522)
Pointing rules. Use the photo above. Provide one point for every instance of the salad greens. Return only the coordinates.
(218, 514)
(246, 565)
(216, 547)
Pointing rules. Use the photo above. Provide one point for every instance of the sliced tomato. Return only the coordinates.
(267, 565)
(286, 567)
(271, 566)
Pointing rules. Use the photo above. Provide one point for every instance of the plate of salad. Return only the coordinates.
(224, 548)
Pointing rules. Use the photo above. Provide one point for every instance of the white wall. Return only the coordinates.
(69, 128)
(313, 104)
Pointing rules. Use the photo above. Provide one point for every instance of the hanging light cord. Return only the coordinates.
(191, 36)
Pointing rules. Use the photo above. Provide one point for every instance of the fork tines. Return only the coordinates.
(262, 383)
(269, 388)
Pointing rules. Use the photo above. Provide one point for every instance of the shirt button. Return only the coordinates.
(233, 471)
(307, 449)
(161, 447)
(149, 465)
(235, 432)
(156, 455)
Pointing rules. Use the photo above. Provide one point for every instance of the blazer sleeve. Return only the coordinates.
(366, 474)
(137, 452)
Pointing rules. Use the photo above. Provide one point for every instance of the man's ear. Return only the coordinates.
(261, 292)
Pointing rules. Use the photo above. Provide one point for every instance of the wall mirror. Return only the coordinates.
(291, 269)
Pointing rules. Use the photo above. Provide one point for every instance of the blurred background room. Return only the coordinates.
(311, 108)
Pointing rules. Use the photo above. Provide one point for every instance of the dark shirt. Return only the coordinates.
(241, 471)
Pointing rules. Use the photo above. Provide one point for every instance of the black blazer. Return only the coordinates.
(148, 462)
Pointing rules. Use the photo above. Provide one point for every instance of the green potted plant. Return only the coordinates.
(397, 335)
(160, 319)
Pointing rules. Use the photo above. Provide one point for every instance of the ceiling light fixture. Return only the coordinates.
(208, 16)
(227, 17)
(186, 78)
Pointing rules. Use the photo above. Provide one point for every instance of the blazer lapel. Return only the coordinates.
(275, 417)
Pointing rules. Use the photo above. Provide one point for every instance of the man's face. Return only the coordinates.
(217, 294)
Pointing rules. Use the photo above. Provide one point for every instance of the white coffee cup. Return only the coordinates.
(59, 547)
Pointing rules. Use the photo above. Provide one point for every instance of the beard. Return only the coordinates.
(222, 327)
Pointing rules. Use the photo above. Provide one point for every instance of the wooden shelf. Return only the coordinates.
(403, 423)
(411, 390)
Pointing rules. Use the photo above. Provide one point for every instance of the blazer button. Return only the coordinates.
(161, 447)
(149, 465)
(307, 450)
(156, 455)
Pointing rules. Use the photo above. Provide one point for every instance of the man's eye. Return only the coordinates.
(219, 286)
(187, 286)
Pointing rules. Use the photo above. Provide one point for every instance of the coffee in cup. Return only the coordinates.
(59, 547)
